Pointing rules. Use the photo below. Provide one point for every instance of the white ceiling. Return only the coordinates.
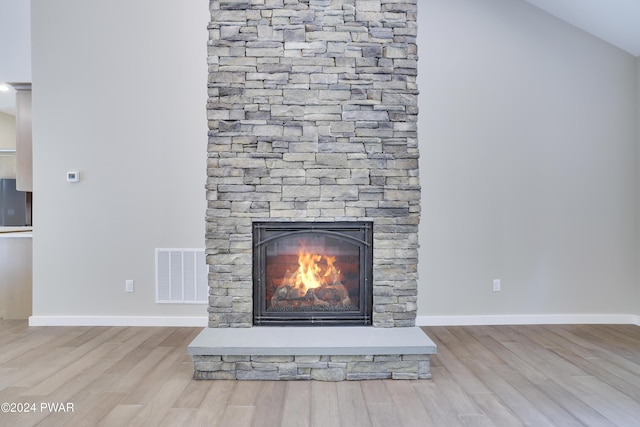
(15, 48)
(615, 21)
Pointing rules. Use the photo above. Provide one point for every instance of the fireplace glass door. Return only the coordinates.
(308, 273)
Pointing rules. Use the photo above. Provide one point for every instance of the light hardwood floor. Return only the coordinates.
(564, 375)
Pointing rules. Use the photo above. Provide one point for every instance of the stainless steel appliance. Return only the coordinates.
(15, 206)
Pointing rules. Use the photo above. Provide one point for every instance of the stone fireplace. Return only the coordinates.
(312, 114)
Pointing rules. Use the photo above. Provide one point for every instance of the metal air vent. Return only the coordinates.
(181, 276)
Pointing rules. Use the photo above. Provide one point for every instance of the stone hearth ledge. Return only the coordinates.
(316, 353)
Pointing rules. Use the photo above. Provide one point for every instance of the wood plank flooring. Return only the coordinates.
(560, 375)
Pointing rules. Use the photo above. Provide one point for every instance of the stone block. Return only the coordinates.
(329, 374)
(351, 358)
(404, 323)
(404, 376)
(220, 301)
(329, 173)
(294, 35)
(227, 77)
(334, 95)
(376, 367)
(306, 359)
(359, 376)
(341, 147)
(265, 52)
(300, 96)
(264, 366)
(257, 375)
(321, 118)
(206, 358)
(287, 370)
(273, 359)
(324, 79)
(216, 366)
(424, 369)
(328, 36)
(368, 5)
(216, 375)
(339, 192)
(235, 4)
(267, 130)
(310, 47)
(244, 366)
(365, 115)
(301, 192)
(416, 357)
(363, 16)
(354, 214)
(242, 162)
(243, 307)
(342, 127)
(387, 358)
(395, 98)
(313, 365)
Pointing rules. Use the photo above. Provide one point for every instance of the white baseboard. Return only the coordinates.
(528, 319)
(166, 321)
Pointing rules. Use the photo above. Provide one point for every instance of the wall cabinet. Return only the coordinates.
(24, 157)
(15, 276)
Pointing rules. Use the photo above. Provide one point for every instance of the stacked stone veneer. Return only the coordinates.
(321, 368)
(312, 114)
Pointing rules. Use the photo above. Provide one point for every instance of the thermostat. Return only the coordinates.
(73, 176)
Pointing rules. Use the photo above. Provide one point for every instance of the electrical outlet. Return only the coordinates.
(128, 285)
(496, 285)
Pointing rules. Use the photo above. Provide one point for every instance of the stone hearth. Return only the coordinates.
(305, 353)
(312, 115)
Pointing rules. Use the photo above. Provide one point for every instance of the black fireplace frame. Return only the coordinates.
(359, 233)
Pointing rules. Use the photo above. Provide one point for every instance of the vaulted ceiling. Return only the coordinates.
(614, 21)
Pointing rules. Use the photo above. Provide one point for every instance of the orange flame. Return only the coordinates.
(314, 271)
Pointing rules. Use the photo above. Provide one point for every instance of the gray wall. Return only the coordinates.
(528, 164)
(119, 94)
(15, 41)
(528, 141)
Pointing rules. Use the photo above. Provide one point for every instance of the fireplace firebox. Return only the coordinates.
(312, 273)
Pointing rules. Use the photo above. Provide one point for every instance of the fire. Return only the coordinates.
(315, 283)
(314, 271)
